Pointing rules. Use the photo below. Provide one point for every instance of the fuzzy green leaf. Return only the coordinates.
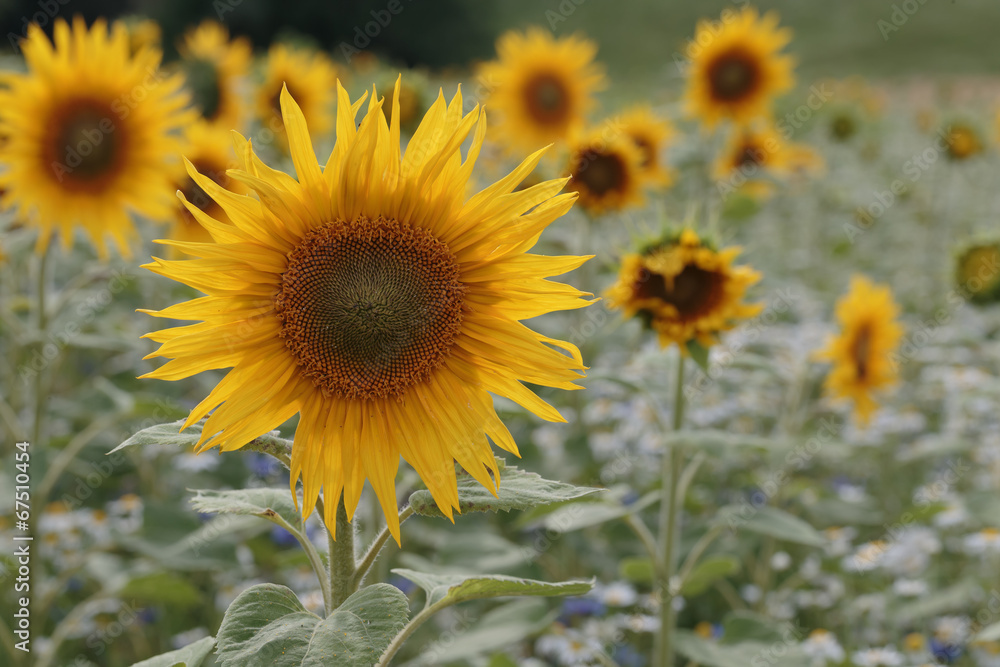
(265, 503)
(519, 490)
(267, 626)
(455, 588)
(192, 655)
(770, 521)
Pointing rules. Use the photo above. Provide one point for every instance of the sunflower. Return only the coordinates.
(606, 172)
(736, 69)
(540, 87)
(749, 153)
(214, 68)
(684, 289)
(411, 102)
(371, 298)
(977, 271)
(962, 141)
(90, 134)
(862, 353)
(311, 78)
(143, 33)
(650, 135)
(210, 150)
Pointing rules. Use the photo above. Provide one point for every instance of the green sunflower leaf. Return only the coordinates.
(164, 434)
(272, 504)
(267, 626)
(519, 490)
(170, 434)
(575, 516)
(769, 521)
(454, 588)
(708, 572)
(711, 654)
(699, 353)
(192, 655)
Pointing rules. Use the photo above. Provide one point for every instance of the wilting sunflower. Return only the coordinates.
(540, 87)
(91, 131)
(650, 135)
(684, 289)
(215, 68)
(736, 68)
(372, 298)
(605, 171)
(210, 151)
(862, 353)
(963, 141)
(311, 78)
(977, 271)
(750, 156)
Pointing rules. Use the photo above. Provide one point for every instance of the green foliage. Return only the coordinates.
(267, 626)
(192, 655)
(518, 490)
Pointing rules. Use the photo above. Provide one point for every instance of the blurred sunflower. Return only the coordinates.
(684, 289)
(963, 141)
(215, 68)
(752, 154)
(411, 101)
(977, 271)
(540, 87)
(803, 161)
(142, 34)
(210, 150)
(862, 353)
(311, 78)
(370, 297)
(736, 69)
(650, 135)
(605, 172)
(90, 132)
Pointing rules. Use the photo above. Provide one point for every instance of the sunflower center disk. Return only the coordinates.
(370, 307)
(861, 351)
(547, 99)
(601, 173)
(86, 146)
(732, 76)
(694, 291)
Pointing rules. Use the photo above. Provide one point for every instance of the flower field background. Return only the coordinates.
(786, 445)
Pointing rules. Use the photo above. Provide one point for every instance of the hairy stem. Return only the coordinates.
(343, 563)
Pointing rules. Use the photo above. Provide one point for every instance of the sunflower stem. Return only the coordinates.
(371, 555)
(670, 501)
(343, 563)
(43, 323)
